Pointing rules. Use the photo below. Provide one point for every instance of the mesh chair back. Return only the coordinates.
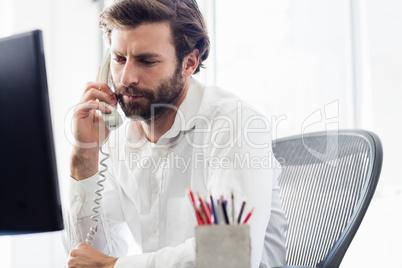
(327, 182)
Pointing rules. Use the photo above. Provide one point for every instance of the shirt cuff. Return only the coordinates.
(138, 261)
(82, 194)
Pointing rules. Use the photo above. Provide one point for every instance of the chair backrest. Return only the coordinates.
(327, 182)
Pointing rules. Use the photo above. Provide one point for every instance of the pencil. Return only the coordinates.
(216, 219)
(241, 211)
(233, 214)
(208, 207)
(248, 216)
(190, 194)
(202, 215)
(225, 214)
(197, 211)
(219, 211)
(205, 210)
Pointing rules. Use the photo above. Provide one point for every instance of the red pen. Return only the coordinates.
(248, 216)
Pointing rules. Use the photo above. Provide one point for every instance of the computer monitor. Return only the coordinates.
(29, 191)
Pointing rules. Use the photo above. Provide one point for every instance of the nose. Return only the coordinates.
(130, 75)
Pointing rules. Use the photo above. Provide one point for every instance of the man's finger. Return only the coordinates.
(91, 105)
(99, 86)
(96, 94)
(97, 75)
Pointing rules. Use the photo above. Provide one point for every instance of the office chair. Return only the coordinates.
(327, 182)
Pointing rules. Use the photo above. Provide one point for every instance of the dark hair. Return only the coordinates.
(187, 24)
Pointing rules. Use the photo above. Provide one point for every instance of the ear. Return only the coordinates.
(190, 62)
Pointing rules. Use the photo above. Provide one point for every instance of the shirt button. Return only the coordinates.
(156, 190)
(78, 199)
(154, 229)
(160, 152)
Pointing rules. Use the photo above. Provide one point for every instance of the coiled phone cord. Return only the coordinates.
(97, 201)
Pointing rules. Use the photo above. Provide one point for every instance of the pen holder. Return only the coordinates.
(223, 246)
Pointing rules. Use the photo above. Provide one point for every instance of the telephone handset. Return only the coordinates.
(112, 120)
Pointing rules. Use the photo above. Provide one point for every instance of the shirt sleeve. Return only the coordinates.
(78, 216)
(182, 255)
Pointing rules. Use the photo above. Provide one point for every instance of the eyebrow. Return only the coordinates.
(116, 52)
(138, 56)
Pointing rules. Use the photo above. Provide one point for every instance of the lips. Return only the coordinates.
(129, 97)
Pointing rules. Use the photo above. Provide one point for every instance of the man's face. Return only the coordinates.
(145, 71)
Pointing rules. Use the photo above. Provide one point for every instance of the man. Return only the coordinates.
(178, 133)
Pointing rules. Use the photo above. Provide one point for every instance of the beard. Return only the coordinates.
(154, 103)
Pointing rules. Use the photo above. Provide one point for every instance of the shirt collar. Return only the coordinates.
(190, 107)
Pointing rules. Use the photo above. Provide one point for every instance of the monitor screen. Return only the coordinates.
(29, 192)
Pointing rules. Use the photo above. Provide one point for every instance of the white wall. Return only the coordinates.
(385, 52)
(377, 244)
(289, 58)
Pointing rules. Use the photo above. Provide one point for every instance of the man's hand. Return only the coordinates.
(89, 129)
(86, 256)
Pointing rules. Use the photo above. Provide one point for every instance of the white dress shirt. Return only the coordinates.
(217, 144)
